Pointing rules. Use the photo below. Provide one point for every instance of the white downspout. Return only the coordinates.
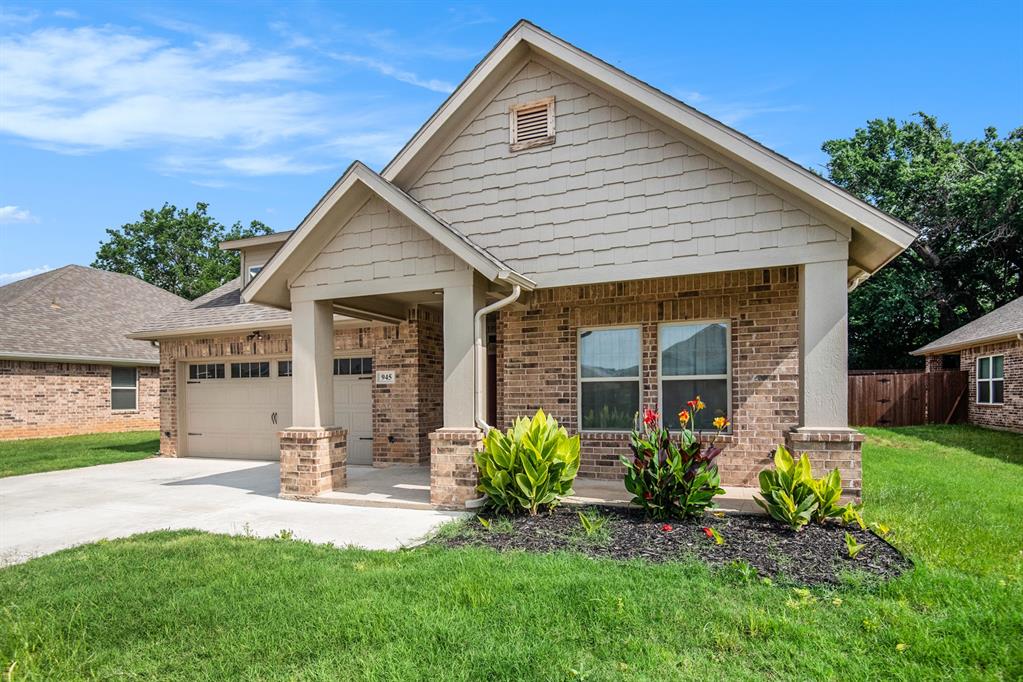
(480, 350)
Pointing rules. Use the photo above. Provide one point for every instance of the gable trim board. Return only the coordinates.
(349, 194)
(877, 237)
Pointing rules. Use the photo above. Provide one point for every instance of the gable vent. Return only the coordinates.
(532, 124)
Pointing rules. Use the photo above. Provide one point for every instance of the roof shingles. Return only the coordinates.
(79, 312)
(1003, 322)
(219, 308)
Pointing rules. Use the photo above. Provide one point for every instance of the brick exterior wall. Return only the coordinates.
(453, 473)
(1009, 415)
(537, 356)
(404, 413)
(44, 399)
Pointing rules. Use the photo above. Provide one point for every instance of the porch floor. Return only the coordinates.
(408, 487)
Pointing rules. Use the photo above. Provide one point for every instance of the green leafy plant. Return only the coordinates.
(827, 490)
(530, 467)
(851, 546)
(673, 477)
(592, 522)
(785, 492)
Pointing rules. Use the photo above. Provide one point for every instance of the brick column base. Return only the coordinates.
(829, 450)
(453, 474)
(313, 461)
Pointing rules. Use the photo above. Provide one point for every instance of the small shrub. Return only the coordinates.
(530, 467)
(673, 477)
(785, 494)
(851, 546)
(592, 522)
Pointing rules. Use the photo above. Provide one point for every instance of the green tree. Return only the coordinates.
(175, 249)
(965, 199)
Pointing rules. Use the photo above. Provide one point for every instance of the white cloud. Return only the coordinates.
(16, 214)
(97, 88)
(8, 277)
(392, 71)
(65, 14)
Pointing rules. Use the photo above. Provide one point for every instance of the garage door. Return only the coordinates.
(236, 409)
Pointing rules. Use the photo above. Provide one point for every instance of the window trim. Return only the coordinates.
(134, 389)
(513, 110)
(579, 374)
(697, 377)
(990, 381)
(249, 270)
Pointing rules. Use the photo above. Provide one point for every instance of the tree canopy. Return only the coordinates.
(175, 249)
(965, 199)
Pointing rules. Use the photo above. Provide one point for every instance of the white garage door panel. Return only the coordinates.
(353, 400)
(233, 417)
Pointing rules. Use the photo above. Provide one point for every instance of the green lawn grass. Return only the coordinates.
(52, 454)
(191, 606)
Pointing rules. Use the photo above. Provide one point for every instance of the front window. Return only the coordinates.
(694, 362)
(609, 362)
(991, 380)
(123, 388)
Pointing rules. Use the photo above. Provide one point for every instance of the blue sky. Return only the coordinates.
(107, 109)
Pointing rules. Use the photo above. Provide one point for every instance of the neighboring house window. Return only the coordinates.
(532, 124)
(206, 371)
(349, 366)
(991, 380)
(124, 388)
(609, 362)
(284, 368)
(250, 370)
(694, 362)
(254, 270)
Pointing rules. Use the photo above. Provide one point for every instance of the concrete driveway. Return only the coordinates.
(41, 513)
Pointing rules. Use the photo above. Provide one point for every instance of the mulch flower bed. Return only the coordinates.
(816, 555)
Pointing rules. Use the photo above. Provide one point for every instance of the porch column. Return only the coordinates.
(453, 475)
(824, 433)
(312, 380)
(313, 450)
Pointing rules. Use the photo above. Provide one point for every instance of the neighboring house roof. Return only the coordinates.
(351, 191)
(221, 308)
(877, 236)
(998, 325)
(80, 314)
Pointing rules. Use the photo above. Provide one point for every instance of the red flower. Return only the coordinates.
(648, 496)
(666, 528)
(649, 417)
(708, 532)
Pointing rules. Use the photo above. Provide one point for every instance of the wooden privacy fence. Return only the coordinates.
(907, 398)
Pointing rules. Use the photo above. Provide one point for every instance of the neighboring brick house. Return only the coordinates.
(558, 235)
(66, 366)
(991, 349)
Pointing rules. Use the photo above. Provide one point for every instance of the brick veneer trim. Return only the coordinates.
(828, 450)
(45, 399)
(453, 473)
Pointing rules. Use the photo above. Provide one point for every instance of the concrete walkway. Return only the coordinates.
(42, 513)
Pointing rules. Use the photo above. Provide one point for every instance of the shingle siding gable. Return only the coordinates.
(614, 189)
(378, 243)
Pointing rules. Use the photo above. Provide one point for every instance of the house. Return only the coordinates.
(552, 236)
(991, 349)
(66, 366)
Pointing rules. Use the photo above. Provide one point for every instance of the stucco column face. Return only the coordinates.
(312, 390)
(460, 305)
(824, 346)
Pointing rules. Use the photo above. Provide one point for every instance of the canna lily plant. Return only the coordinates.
(673, 477)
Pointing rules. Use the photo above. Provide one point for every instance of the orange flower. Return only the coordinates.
(699, 403)
(720, 423)
(683, 417)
